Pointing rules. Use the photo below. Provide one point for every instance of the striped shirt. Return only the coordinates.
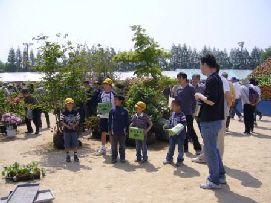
(141, 121)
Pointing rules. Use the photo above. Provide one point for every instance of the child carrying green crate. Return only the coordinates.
(141, 121)
(177, 118)
(106, 104)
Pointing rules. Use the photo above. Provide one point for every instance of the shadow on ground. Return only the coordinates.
(225, 195)
(186, 172)
(257, 135)
(54, 159)
(128, 167)
(247, 180)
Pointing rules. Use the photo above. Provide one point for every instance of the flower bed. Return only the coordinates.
(262, 74)
(10, 119)
(17, 173)
(266, 92)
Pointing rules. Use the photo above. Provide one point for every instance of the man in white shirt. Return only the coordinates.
(257, 112)
(247, 107)
(227, 106)
(237, 87)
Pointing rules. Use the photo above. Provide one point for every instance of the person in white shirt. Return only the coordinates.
(247, 107)
(257, 112)
(175, 90)
(232, 92)
(227, 106)
(237, 87)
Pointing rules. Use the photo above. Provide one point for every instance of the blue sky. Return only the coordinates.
(217, 23)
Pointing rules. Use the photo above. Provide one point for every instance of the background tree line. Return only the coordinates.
(181, 57)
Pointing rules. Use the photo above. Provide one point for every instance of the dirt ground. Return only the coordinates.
(247, 160)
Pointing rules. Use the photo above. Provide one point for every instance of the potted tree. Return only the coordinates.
(65, 68)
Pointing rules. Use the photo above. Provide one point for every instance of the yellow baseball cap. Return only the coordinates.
(141, 105)
(108, 81)
(69, 100)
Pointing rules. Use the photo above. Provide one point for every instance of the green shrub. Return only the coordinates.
(155, 101)
(162, 83)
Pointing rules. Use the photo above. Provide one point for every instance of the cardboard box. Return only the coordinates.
(136, 133)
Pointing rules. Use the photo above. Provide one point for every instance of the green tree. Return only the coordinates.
(61, 81)
(25, 60)
(255, 57)
(100, 60)
(146, 54)
(18, 59)
(11, 66)
(265, 54)
(2, 66)
(32, 58)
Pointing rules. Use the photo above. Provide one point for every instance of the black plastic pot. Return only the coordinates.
(58, 140)
(161, 134)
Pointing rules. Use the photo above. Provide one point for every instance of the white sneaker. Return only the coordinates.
(109, 151)
(101, 152)
(198, 160)
(209, 185)
(223, 181)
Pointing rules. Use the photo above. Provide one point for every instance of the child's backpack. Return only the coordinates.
(254, 96)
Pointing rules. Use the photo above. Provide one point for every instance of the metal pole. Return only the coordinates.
(27, 59)
(241, 44)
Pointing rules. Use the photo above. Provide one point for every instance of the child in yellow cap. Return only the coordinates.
(107, 96)
(70, 118)
(142, 121)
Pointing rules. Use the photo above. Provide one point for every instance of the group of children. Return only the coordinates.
(116, 123)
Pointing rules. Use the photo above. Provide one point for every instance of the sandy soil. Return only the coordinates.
(247, 160)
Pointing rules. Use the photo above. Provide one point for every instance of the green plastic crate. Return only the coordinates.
(176, 130)
(104, 108)
(136, 133)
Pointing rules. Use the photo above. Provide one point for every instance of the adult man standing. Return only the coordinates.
(227, 106)
(92, 103)
(234, 110)
(211, 116)
(199, 88)
(221, 134)
(31, 114)
(257, 112)
(247, 106)
(187, 97)
(175, 89)
(41, 91)
(232, 93)
(258, 89)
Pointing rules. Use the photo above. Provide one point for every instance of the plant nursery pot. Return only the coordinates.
(23, 177)
(11, 133)
(36, 176)
(3, 129)
(58, 140)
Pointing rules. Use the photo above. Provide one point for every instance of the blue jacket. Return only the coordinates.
(187, 97)
(118, 121)
(175, 119)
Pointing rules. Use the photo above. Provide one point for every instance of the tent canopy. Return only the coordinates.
(21, 77)
(36, 77)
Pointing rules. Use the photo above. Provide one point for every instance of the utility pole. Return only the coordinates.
(27, 45)
(241, 44)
